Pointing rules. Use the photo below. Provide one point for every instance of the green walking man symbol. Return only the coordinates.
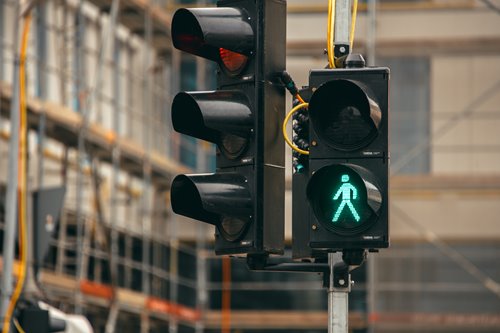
(345, 189)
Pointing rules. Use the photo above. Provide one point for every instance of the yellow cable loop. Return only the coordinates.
(299, 98)
(18, 326)
(331, 33)
(353, 22)
(285, 135)
(22, 184)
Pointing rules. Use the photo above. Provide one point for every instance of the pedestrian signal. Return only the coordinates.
(345, 198)
(340, 192)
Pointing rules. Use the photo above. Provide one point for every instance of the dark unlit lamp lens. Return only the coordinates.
(232, 146)
(344, 115)
(232, 228)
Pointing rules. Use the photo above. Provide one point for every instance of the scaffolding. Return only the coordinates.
(99, 124)
(110, 142)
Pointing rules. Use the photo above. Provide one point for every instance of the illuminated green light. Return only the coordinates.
(345, 190)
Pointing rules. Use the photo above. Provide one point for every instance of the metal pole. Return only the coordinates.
(147, 186)
(342, 19)
(12, 185)
(338, 298)
(80, 272)
(201, 260)
(174, 272)
(2, 42)
(113, 259)
(371, 292)
(371, 34)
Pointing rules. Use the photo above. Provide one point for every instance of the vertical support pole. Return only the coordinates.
(174, 272)
(371, 293)
(41, 85)
(130, 92)
(2, 43)
(342, 24)
(201, 160)
(226, 295)
(115, 160)
(175, 84)
(113, 253)
(78, 70)
(146, 229)
(64, 53)
(81, 148)
(201, 270)
(147, 63)
(12, 184)
(146, 202)
(338, 296)
(167, 101)
(80, 219)
(201, 260)
(371, 33)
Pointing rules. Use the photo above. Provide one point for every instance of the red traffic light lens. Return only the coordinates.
(232, 62)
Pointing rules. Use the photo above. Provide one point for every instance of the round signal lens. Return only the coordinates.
(344, 198)
(344, 115)
(232, 228)
(232, 62)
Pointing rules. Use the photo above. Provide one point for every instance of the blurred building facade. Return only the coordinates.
(114, 90)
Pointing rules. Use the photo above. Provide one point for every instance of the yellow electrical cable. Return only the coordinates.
(299, 98)
(18, 326)
(22, 184)
(353, 22)
(330, 34)
(285, 135)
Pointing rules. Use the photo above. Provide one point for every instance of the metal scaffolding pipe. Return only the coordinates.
(12, 183)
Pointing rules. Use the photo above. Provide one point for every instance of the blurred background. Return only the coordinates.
(110, 65)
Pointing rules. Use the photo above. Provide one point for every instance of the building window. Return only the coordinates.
(409, 111)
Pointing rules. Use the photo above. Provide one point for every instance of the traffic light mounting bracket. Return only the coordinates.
(351, 259)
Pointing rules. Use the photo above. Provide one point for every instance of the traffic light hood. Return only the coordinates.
(214, 116)
(210, 197)
(345, 114)
(205, 31)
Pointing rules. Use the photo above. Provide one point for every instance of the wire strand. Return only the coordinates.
(353, 23)
(285, 135)
(330, 34)
(22, 177)
(299, 98)
(18, 326)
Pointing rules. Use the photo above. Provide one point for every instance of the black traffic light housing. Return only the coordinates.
(340, 190)
(244, 198)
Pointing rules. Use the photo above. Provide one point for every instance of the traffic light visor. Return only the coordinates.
(221, 117)
(223, 35)
(344, 114)
(344, 198)
(221, 199)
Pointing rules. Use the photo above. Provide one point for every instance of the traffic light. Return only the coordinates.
(340, 190)
(244, 198)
